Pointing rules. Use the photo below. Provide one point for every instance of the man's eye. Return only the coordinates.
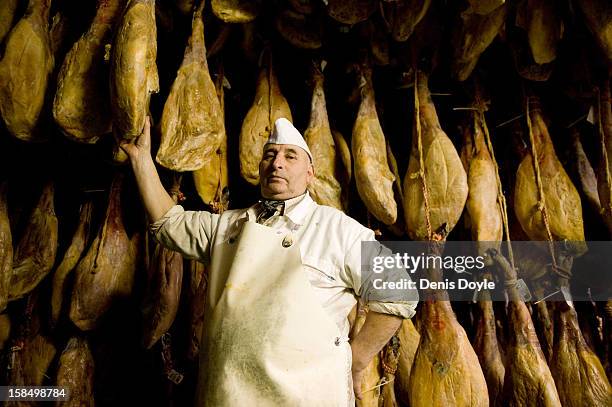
(291, 157)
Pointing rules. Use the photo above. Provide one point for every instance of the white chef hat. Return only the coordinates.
(285, 133)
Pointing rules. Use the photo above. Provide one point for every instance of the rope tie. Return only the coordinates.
(604, 152)
(501, 199)
(510, 283)
(381, 383)
(217, 204)
(24, 332)
(166, 355)
(270, 124)
(421, 172)
(541, 206)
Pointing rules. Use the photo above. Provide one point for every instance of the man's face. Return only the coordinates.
(284, 171)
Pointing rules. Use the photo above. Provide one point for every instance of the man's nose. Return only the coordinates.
(279, 161)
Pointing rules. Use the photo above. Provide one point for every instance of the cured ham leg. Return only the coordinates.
(325, 188)
(372, 173)
(25, 70)
(192, 125)
(528, 380)
(82, 102)
(105, 275)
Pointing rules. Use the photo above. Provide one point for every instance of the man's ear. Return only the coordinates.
(311, 173)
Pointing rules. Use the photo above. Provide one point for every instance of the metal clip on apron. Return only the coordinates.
(267, 340)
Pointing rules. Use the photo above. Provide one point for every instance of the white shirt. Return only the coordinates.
(329, 241)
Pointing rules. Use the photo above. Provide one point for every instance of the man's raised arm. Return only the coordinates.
(154, 196)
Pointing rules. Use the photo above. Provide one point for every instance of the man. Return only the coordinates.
(284, 275)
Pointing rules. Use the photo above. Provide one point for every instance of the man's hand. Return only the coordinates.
(374, 334)
(155, 198)
(141, 147)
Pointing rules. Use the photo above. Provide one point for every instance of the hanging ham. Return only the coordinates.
(527, 381)
(198, 282)
(69, 262)
(604, 170)
(350, 11)
(485, 6)
(409, 342)
(236, 11)
(25, 69)
(483, 207)
(76, 372)
(578, 373)
(303, 6)
(6, 248)
(486, 224)
(598, 15)
(133, 72)
(487, 348)
(372, 174)
(472, 35)
(105, 275)
(82, 102)
(584, 171)
(192, 121)
(164, 289)
(185, 6)
(346, 172)
(32, 351)
(402, 16)
(35, 253)
(562, 202)
(5, 330)
(325, 188)
(442, 177)
(446, 370)
(269, 105)
(300, 30)
(389, 356)
(211, 181)
(7, 15)
(370, 391)
(544, 29)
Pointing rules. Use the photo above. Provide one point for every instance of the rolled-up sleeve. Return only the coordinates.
(186, 232)
(359, 267)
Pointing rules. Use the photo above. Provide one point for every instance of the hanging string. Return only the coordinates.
(381, 383)
(270, 109)
(217, 204)
(501, 199)
(604, 153)
(541, 198)
(115, 188)
(421, 173)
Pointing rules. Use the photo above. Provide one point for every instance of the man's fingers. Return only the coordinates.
(143, 140)
(127, 148)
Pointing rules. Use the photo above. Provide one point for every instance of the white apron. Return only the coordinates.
(267, 339)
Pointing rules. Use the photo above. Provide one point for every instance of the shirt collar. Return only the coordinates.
(296, 209)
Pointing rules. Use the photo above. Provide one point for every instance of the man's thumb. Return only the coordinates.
(126, 146)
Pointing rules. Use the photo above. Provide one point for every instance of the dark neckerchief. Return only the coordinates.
(270, 208)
